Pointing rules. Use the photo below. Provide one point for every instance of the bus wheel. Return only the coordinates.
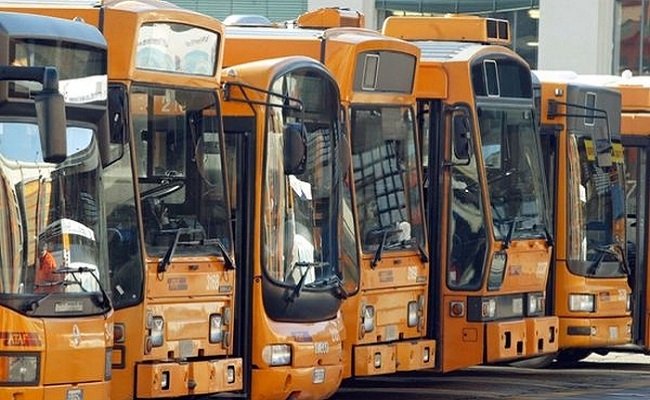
(535, 362)
(568, 358)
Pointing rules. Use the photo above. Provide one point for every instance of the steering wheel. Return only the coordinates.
(163, 190)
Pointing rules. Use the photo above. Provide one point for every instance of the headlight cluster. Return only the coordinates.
(367, 319)
(19, 368)
(415, 310)
(155, 331)
(582, 302)
(536, 304)
(277, 354)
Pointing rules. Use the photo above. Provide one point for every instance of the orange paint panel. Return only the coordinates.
(505, 340)
(542, 335)
(603, 332)
(295, 383)
(375, 360)
(79, 344)
(462, 342)
(97, 390)
(415, 355)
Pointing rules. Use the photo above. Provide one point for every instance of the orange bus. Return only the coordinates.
(55, 305)
(385, 274)
(171, 245)
(285, 156)
(580, 128)
(635, 134)
(486, 193)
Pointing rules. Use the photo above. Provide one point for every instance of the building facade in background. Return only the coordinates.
(586, 36)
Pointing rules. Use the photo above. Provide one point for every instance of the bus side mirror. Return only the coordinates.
(461, 135)
(50, 112)
(295, 149)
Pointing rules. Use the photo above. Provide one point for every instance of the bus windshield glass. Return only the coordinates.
(51, 218)
(385, 177)
(299, 205)
(596, 198)
(177, 48)
(512, 161)
(180, 170)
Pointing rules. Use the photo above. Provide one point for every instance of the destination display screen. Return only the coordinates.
(177, 48)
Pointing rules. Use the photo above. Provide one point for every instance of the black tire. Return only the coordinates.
(535, 362)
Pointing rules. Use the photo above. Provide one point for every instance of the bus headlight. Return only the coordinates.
(216, 328)
(535, 304)
(277, 354)
(488, 308)
(582, 302)
(628, 303)
(367, 318)
(412, 316)
(23, 368)
(157, 331)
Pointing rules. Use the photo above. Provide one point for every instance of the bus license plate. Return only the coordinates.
(75, 394)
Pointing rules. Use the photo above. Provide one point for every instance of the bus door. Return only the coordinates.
(637, 149)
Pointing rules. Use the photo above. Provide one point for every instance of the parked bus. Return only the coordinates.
(384, 273)
(580, 128)
(173, 273)
(56, 329)
(486, 194)
(635, 134)
(284, 147)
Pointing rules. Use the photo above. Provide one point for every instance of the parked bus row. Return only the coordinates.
(262, 211)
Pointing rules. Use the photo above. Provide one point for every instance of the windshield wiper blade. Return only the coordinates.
(511, 230)
(612, 249)
(385, 232)
(230, 263)
(307, 266)
(166, 260)
(106, 301)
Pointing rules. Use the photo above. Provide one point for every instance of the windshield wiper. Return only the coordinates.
(612, 249)
(307, 266)
(106, 301)
(384, 232)
(511, 230)
(230, 263)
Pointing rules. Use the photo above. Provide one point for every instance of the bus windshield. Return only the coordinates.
(180, 170)
(52, 214)
(512, 162)
(385, 176)
(597, 207)
(299, 209)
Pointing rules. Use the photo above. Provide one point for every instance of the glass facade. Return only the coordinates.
(632, 37)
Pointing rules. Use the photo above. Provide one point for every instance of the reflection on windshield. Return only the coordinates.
(597, 209)
(385, 178)
(512, 161)
(180, 170)
(298, 205)
(51, 215)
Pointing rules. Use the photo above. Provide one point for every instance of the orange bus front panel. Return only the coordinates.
(172, 379)
(505, 340)
(595, 332)
(376, 359)
(97, 390)
(279, 383)
(415, 355)
(542, 335)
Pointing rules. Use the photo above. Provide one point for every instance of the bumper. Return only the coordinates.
(297, 383)
(98, 390)
(173, 379)
(595, 332)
